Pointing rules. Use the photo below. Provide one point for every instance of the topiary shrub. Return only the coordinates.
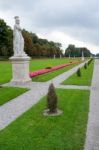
(52, 99)
(78, 72)
(89, 62)
(48, 68)
(85, 66)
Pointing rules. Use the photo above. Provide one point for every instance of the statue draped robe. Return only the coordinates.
(18, 41)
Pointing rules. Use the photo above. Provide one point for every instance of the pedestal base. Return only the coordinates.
(82, 58)
(20, 70)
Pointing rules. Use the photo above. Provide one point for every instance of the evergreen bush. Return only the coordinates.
(85, 66)
(78, 72)
(52, 99)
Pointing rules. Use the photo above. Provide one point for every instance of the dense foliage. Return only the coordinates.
(5, 39)
(34, 46)
(76, 51)
(37, 47)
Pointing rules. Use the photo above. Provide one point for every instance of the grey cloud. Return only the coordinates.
(67, 14)
(84, 34)
(81, 18)
(78, 18)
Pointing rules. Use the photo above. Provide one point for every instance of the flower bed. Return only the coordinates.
(48, 68)
(43, 71)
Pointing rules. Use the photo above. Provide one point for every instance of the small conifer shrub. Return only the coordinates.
(89, 62)
(85, 66)
(78, 72)
(52, 99)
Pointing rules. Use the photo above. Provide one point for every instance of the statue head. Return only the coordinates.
(17, 20)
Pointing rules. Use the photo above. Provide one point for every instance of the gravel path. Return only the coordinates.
(59, 79)
(92, 137)
(16, 107)
(74, 87)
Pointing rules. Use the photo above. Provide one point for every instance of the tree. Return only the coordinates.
(6, 36)
(76, 51)
(34, 46)
(28, 46)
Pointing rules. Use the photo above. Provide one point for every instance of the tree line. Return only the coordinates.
(73, 51)
(34, 46)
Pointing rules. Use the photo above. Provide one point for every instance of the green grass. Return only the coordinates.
(36, 64)
(51, 75)
(8, 93)
(33, 131)
(5, 72)
(85, 79)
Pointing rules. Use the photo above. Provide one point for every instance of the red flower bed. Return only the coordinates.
(43, 71)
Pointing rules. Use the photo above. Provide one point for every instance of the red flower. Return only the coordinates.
(43, 71)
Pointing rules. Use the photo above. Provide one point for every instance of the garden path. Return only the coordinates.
(74, 87)
(92, 137)
(16, 107)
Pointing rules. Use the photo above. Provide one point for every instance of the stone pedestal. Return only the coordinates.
(20, 70)
(82, 58)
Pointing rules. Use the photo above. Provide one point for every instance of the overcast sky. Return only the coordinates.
(66, 21)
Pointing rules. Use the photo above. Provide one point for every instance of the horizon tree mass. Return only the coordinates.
(35, 46)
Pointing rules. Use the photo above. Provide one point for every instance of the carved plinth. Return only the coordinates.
(20, 70)
(83, 58)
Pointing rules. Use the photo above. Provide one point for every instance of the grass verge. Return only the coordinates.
(33, 131)
(36, 64)
(51, 75)
(8, 93)
(85, 79)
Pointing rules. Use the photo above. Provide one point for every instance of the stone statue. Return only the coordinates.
(18, 41)
(83, 56)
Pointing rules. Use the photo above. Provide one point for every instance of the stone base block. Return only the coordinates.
(83, 58)
(20, 70)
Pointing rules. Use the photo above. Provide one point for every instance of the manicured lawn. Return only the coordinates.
(8, 93)
(33, 131)
(51, 75)
(85, 79)
(5, 72)
(36, 64)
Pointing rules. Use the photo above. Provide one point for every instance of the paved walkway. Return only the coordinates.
(74, 87)
(14, 108)
(92, 139)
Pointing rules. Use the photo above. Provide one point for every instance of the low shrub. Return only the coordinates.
(89, 62)
(48, 68)
(78, 72)
(52, 99)
(85, 66)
